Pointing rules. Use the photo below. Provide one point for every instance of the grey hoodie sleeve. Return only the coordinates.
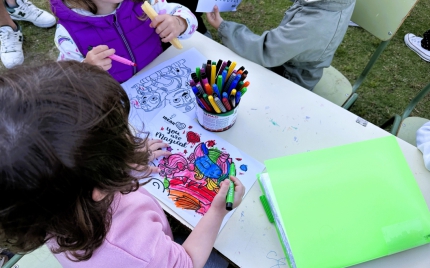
(272, 48)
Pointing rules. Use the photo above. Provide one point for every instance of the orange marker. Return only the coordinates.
(208, 89)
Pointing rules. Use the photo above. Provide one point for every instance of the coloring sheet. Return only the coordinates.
(189, 178)
(167, 83)
(223, 5)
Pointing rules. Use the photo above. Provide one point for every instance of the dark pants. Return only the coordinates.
(425, 43)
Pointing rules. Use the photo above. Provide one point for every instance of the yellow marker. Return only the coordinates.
(147, 8)
(213, 74)
(213, 103)
(230, 69)
(233, 92)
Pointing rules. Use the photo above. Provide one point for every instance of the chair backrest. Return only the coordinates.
(40, 258)
(382, 18)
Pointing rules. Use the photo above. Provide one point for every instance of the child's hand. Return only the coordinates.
(99, 56)
(154, 147)
(168, 26)
(214, 18)
(218, 202)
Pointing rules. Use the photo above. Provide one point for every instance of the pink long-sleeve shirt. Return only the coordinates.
(140, 236)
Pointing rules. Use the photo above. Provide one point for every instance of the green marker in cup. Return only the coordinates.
(230, 194)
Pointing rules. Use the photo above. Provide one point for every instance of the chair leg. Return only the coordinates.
(349, 102)
(395, 122)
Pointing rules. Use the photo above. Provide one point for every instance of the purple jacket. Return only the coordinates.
(131, 38)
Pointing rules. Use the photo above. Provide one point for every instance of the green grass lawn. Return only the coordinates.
(397, 76)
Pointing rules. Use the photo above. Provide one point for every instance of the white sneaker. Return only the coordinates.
(11, 46)
(414, 43)
(29, 12)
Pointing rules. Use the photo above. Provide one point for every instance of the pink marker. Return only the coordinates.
(122, 60)
(118, 58)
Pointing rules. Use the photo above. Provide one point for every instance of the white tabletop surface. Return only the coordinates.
(278, 118)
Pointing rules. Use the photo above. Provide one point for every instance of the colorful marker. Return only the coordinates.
(214, 105)
(219, 82)
(231, 68)
(218, 65)
(118, 58)
(230, 194)
(243, 90)
(213, 74)
(238, 96)
(198, 72)
(208, 89)
(223, 65)
(216, 90)
(219, 103)
(225, 101)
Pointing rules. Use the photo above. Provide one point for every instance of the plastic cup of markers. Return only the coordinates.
(216, 122)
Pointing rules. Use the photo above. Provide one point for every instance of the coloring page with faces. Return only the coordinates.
(223, 5)
(166, 84)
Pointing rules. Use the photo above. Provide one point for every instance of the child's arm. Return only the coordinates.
(69, 51)
(66, 45)
(423, 143)
(200, 242)
(173, 21)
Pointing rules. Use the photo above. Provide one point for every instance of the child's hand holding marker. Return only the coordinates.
(219, 201)
(102, 56)
(99, 56)
(167, 26)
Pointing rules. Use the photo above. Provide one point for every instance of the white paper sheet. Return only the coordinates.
(223, 5)
(189, 178)
(167, 83)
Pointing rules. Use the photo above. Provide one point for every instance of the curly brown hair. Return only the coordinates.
(64, 131)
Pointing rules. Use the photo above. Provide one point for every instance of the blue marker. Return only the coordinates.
(224, 75)
(234, 83)
(195, 90)
(215, 89)
(238, 95)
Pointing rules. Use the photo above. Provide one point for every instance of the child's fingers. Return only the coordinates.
(106, 53)
(224, 188)
(155, 144)
(239, 188)
(98, 49)
(157, 20)
(156, 154)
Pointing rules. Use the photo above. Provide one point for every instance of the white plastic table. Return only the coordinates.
(278, 118)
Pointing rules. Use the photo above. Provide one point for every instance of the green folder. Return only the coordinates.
(345, 205)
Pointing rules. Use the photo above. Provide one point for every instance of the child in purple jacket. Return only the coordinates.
(120, 27)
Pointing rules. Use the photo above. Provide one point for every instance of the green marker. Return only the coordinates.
(230, 194)
(198, 72)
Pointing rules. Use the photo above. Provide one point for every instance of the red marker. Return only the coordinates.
(118, 58)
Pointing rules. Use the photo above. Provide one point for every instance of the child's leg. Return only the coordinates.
(419, 45)
(5, 18)
(10, 40)
(425, 43)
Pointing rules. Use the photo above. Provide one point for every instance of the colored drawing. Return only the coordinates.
(192, 181)
(189, 178)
